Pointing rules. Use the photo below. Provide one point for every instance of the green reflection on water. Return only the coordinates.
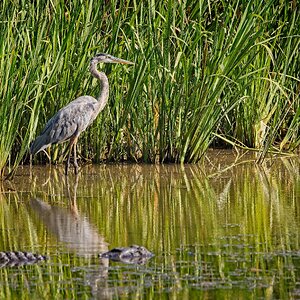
(235, 233)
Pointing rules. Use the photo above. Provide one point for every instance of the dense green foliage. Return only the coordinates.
(207, 73)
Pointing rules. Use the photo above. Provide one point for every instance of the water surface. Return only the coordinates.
(225, 228)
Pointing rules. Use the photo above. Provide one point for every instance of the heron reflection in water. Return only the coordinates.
(71, 120)
(69, 226)
(77, 234)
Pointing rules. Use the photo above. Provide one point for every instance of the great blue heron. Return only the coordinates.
(71, 120)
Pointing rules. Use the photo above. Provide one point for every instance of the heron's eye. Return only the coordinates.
(100, 55)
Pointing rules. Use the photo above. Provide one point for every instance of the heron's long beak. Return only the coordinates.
(121, 61)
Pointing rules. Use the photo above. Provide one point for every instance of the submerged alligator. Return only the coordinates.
(131, 255)
(19, 258)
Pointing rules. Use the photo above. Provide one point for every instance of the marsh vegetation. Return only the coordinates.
(207, 74)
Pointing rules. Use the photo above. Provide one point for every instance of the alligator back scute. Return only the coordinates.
(19, 258)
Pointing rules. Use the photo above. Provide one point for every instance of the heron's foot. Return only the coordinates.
(76, 167)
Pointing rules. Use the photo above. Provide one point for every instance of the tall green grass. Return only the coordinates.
(207, 73)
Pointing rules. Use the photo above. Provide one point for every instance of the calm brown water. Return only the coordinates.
(216, 230)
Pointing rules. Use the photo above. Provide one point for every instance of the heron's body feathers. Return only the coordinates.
(67, 123)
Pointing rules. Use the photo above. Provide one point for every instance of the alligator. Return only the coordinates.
(19, 258)
(131, 255)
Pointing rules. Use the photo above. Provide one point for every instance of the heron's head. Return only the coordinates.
(107, 58)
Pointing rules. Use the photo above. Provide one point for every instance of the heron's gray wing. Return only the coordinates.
(68, 122)
(71, 120)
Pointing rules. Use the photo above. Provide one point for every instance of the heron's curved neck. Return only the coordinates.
(104, 92)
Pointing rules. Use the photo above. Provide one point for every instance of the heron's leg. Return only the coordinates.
(75, 157)
(69, 156)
